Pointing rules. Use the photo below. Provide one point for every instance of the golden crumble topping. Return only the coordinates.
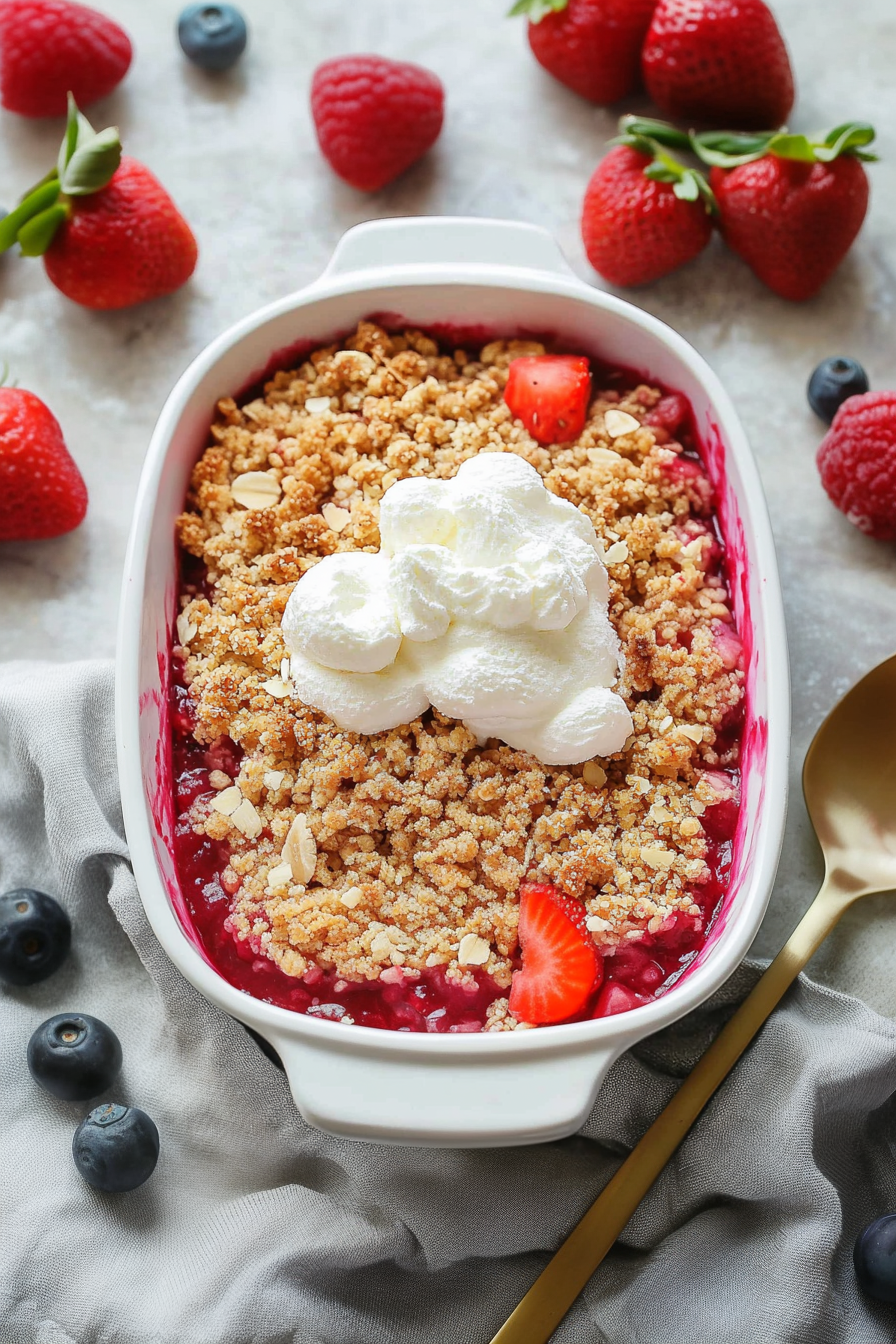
(407, 848)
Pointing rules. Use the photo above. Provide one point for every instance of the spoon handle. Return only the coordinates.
(559, 1284)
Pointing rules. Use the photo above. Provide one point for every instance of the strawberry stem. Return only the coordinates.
(38, 200)
(651, 137)
(38, 233)
(536, 10)
(87, 162)
(730, 149)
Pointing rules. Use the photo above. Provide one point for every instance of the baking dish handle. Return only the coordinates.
(470, 1099)
(434, 239)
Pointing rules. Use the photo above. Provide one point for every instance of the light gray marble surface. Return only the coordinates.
(239, 156)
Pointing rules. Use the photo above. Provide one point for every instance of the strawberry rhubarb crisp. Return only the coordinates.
(458, 688)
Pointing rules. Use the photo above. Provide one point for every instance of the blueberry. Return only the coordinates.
(116, 1147)
(35, 936)
(832, 383)
(213, 36)
(874, 1256)
(74, 1056)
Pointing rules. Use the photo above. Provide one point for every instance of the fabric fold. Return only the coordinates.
(257, 1228)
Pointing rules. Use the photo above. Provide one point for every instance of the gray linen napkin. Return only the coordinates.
(256, 1229)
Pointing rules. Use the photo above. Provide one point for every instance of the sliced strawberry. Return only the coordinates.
(550, 394)
(561, 966)
(614, 998)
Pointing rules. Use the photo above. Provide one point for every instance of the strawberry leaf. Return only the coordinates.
(687, 183)
(729, 149)
(660, 131)
(93, 164)
(38, 200)
(78, 131)
(798, 147)
(850, 138)
(37, 234)
(535, 10)
(687, 188)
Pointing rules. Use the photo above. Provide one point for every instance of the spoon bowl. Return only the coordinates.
(849, 780)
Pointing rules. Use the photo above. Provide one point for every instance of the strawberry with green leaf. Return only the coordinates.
(790, 206)
(591, 46)
(109, 233)
(645, 212)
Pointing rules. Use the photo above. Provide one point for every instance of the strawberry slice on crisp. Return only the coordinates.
(550, 394)
(561, 966)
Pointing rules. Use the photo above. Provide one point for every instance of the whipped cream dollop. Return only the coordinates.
(487, 600)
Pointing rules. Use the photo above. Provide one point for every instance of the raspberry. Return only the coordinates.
(374, 117)
(857, 462)
(48, 47)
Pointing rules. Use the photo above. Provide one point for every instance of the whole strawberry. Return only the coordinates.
(857, 462)
(375, 117)
(718, 63)
(644, 214)
(109, 233)
(591, 46)
(49, 48)
(42, 492)
(791, 208)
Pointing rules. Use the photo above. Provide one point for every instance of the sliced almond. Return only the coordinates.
(617, 554)
(317, 405)
(336, 519)
(618, 423)
(273, 779)
(604, 457)
(473, 950)
(596, 924)
(186, 629)
(284, 669)
(595, 774)
(255, 490)
(666, 724)
(656, 857)
(660, 814)
(246, 819)
(352, 897)
(281, 876)
(227, 801)
(691, 730)
(277, 687)
(300, 850)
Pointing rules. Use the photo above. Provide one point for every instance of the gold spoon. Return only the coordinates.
(849, 780)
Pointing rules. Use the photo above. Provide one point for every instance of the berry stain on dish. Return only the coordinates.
(418, 814)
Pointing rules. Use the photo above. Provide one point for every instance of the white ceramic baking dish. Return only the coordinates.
(448, 1090)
